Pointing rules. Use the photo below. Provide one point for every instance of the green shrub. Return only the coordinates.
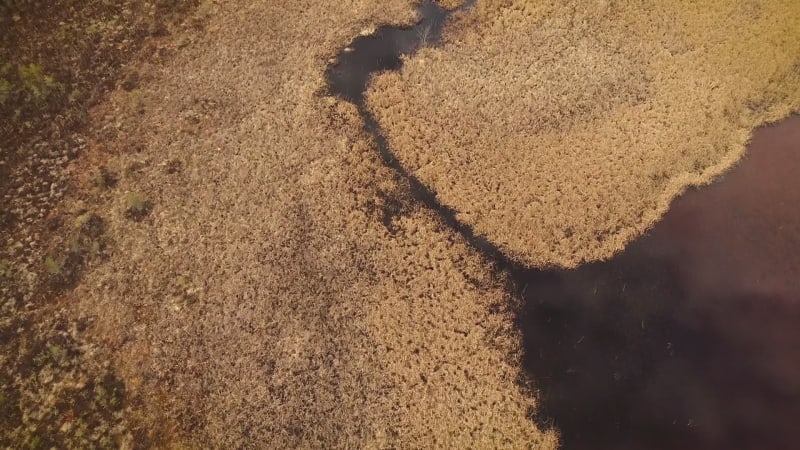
(36, 85)
(26, 90)
(53, 265)
(5, 90)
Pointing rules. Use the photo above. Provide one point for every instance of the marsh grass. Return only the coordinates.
(424, 36)
(137, 206)
(58, 58)
(55, 58)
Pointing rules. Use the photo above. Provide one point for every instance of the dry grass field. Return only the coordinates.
(560, 131)
(238, 284)
(261, 299)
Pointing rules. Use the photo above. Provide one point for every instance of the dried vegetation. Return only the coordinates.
(258, 277)
(561, 131)
(282, 291)
(57, 59)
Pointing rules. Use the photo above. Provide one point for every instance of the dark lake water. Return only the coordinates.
(382, 51)
(690, 338)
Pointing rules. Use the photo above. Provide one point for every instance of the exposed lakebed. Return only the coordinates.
(687, 339)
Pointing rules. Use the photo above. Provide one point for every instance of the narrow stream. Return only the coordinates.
(690, 338)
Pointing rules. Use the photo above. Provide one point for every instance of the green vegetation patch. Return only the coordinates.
(137, 206)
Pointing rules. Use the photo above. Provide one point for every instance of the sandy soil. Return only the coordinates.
(258, 299)
(561, 132)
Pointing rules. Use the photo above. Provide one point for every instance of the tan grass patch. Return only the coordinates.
(562, 131)
(258, 303)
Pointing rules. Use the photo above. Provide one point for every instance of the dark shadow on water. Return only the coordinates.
(690, 338)
(382, 51)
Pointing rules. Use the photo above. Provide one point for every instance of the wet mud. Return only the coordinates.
(690, 338)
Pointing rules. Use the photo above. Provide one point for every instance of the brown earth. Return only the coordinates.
(562, 131)
(257, 299)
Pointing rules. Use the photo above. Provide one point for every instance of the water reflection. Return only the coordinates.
(690, 338)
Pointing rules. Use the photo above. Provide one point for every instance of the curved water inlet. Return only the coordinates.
(348, 78)
(684, 340)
